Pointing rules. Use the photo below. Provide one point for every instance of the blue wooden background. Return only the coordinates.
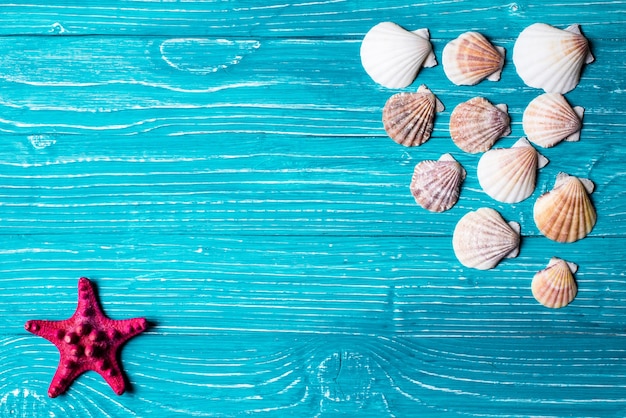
(220, 168)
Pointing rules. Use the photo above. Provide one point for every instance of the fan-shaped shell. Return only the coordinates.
(555, 286)
(392, 55)
(549, 119)
(475, 125)
(470, 58)
(408, 118)
(436, 185)
(549, 58)
(509, 174)
(482, 238)
(566, 214)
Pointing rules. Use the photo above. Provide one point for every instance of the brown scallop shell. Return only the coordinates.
(475, 125)
(555, 286)
(436, 185)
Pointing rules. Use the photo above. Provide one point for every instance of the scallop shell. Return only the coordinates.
(392, 55)
(475, 125)
(471, 58)
(509, 174)
(436, 185)
(408, 118)
(549, 119)
(483, 238)
(555, 286)
(549, 58)
(566, 214)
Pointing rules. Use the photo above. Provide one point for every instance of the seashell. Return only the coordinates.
(549, 58)
(436, 185)
(509, 174)
(549, 119)
(555, 286)
(471, 58)
(392, 56)
(475, 125)
(408, 118)
(566, 214)
(481, 239)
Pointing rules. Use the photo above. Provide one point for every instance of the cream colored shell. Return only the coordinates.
(555, 286)
(393, 56)
(549, 58)
(482, 238)
(566, 214)
(475, 125)
(436, 185)
(408, 118)
(471, 58)
(509, 175)
(549, 119)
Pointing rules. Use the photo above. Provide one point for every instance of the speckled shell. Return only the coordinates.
(549, 58)
(549, 119)
(509, 175)
(392, 55)
(555, 286)
(483, 238)
(436, 185)
(566, 214)
(471, 58)
(475, 125)
(408, 117)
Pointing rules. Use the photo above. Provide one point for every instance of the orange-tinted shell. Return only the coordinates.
(475, 125)
(471, 58)
(549, 119)
(555, 286)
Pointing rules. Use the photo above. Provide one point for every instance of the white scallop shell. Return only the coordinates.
(509, 175)
(549, 58)
(549, 119)
(436, 185)
(555, 286)
(482, 239)
(471, 58)
(392, 55)
(475, 125)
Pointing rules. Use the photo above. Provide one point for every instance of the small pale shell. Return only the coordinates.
(566, 214)
(436, 185)
(555, 286)
(475, 125)
(549, 58)
(408, 118)
(549, 119)
(509, 174)
(471, 58)
(481, 239)
(392, 55)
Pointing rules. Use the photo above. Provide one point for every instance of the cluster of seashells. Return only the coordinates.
(545, 57)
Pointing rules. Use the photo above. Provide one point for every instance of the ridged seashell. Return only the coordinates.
(566, 214)
(436, 185)
(549, 119)
(408, 118)
(509, 175)
(392, 55)
(549, 58)
(482, 238)
(555, 286)
(475, 125)
(470, 58)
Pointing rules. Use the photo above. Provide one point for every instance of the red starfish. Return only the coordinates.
(87, 341)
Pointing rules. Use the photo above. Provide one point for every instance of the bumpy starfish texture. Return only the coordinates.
(87, 341)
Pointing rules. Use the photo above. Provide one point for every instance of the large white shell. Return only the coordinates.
(436, 185)
(393, 56)
(471, 58)
(509, 175)
(549, 119)
(566, 214)
(549, 58)
(482, 238)
(408, 118)
(555, 286)
(475, 125)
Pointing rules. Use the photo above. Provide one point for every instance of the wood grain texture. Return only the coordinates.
(220, 168)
